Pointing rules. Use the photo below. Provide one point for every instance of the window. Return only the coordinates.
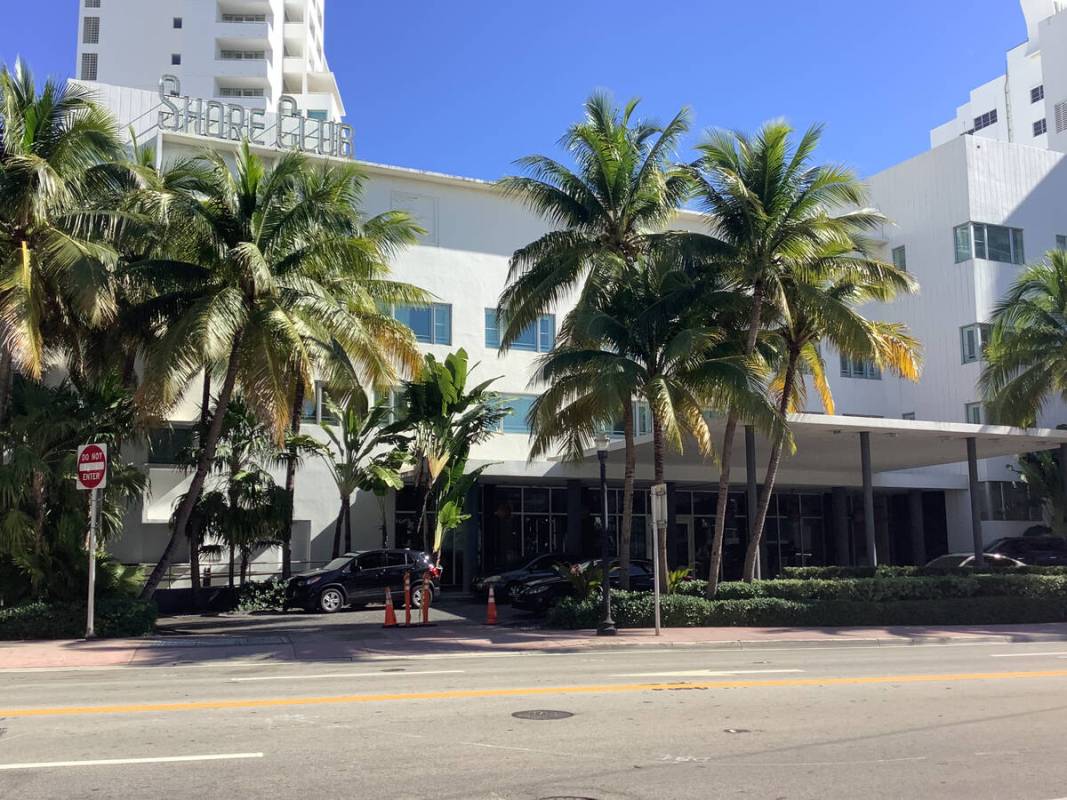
(515, 421)
(175, 59)
(908, 415)
(1061, 241)
(91, 30)
(170, 445)
(242, 55)
(177, 22)
(318, 114)
(1037, 93)
(1011, 502)
(92, 3)
(244, 18)
(993, 242)
(90, 61)
(972, 413)
(431, 324)
(985, 120)
(973, 341)
(539, 337)
(239, 91)
(642, 421)
(1040, 127)
(860, 368)
(900, 258)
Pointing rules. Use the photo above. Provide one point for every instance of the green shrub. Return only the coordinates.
(266, 595)
(889, 571)
(114, 617)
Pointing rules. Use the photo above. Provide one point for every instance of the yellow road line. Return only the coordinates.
(462, 694)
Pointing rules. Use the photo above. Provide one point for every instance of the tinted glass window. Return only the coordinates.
(394, 559)
(371, 560)
(337, 563)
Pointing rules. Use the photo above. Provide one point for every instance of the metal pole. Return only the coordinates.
(1063, 476)
(751, 498)
(94, 509)
(868, 498)
(607, 624)
(976, 501)
(660, 514)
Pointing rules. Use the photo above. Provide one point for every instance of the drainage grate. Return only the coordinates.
(542, 714)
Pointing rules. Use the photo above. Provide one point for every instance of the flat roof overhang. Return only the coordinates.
(828, 450)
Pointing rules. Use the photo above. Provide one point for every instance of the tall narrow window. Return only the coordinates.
(515, 421)
(962, 236)
(177, 22)
(175, 59)
(972, 413)
(900, 258)
(91, 30)
(1040, 127)
(1061, 241)
(1037, 93)
(90, 61)
(973, 341)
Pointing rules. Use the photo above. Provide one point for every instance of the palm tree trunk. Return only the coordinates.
(244, 565)
(627, 498)
(348, 524)
(726, 454)
(290, 482)
(752, 553)
(196, 529)
(658, 455)
(203, 466)
(233, 564)
(337, 529)
(7, 381)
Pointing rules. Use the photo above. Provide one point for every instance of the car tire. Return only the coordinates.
(416, 596)
(331, 600)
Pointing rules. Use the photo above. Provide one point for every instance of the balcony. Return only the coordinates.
(246, 33)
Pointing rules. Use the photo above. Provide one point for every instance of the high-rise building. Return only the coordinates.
(249, 52)
(1028, 103)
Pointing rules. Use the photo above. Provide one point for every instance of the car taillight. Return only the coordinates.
(435, 572)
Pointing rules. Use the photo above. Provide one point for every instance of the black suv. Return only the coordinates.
(1041, 551)
(356, 579)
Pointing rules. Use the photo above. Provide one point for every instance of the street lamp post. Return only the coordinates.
(607, 624)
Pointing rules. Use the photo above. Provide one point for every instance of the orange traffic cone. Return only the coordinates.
(490, 617)
(407, 598)
(426, 598)
(390, 614)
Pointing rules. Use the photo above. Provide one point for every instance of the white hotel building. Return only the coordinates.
(987, 197)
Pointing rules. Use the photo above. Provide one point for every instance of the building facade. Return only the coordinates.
(966, 215)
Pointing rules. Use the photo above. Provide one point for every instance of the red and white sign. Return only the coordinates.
(92, 466)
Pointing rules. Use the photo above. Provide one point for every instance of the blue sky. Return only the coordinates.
(467, 86)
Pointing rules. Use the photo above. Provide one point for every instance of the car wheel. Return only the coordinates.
(416, 596)
(331, 600)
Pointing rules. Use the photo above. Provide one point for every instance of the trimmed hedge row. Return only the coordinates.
(888, 589)
(114, 616)
(635, 610)
(888, 571)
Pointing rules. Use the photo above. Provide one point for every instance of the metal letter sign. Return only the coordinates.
(92, 466)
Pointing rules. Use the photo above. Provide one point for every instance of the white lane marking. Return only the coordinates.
(107, 762)
(790, 764)
(1027, 655)
(702, 673)
(313, 676)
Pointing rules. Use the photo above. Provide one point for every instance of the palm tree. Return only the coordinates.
(1026, 357)
(660, 332)
(767, 205)
(442, 419)
(368, 455)
(819, 298)
(279, 267)
(51, 142)
(606, 213)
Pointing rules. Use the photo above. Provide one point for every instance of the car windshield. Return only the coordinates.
(337, 563)
(948, 561)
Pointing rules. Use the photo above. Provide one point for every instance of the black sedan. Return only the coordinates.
(543, 566)
(540, 594)
(359, 578)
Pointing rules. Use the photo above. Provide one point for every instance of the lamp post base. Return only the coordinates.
(606, 628)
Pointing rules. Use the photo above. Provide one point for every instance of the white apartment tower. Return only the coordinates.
(1028, 104)
(250, 52)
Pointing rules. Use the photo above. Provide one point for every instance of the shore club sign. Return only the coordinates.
(288, 129)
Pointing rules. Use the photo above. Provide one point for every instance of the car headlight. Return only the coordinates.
(540, 590)
(310, 581)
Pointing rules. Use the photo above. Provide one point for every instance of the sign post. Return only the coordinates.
(659, 523)
(92, 477)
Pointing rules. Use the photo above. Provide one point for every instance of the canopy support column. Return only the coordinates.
(976, 500)
(868, 498)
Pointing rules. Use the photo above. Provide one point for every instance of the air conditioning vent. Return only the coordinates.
(1061, 117)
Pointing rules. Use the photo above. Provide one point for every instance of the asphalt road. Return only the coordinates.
(973, 721)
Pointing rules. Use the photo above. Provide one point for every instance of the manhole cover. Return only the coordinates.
(540, 714)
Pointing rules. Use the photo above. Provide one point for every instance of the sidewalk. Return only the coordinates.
(342, 644)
